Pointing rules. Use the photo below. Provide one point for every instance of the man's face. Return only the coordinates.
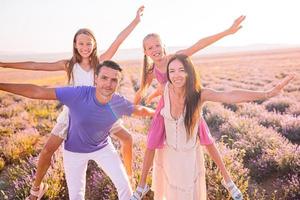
(107, 81)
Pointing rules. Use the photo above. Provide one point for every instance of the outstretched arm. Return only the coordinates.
(143, 111)
(201, 44)
(237, 96)
(29, 90)
(110, 52)
(38, 66)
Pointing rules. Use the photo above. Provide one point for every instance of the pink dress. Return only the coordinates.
(157, 135)
(178, 167)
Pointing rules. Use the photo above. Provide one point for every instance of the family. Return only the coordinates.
(93, 110)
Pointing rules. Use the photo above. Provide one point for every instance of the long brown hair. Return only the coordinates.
(76, 58)
(192, 92)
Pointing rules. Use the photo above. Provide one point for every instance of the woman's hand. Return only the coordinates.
(277, 89)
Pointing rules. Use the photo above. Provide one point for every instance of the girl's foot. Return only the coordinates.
(36, 193)
(235, 193)
(140, 193)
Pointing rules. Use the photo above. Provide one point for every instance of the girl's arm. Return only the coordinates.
(143, 111)
(138, 97)
(240, 95)
(212, 39)
(156, 93)
(37, 66)
(110, 52)
(140, 93)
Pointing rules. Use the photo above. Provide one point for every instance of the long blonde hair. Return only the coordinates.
(192, 92)
(148, 66)
(76, 58)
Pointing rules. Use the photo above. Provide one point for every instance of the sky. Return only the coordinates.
(48, 26)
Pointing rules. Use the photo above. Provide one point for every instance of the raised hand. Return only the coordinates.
(277, 89)
(236, 25)
(139, 13)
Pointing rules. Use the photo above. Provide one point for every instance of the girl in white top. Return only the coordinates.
(80, 77)
(80, 71)
(178, 167)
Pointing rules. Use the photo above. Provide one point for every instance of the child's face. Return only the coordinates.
(177, 73)
(153, 48)
(84, 45)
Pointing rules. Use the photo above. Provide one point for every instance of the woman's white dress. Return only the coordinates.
(178, 168)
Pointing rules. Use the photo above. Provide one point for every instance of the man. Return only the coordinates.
(93, 111)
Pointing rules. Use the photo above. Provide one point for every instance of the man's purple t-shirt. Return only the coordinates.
(90, 121)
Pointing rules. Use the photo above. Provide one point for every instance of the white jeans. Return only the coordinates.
(75, 165)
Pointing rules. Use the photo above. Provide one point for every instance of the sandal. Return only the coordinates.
(235, 193)
(38, 193)
(140, 193)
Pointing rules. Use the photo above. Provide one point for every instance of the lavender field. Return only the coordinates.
(259, 141)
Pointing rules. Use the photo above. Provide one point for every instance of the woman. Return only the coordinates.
(178, 167)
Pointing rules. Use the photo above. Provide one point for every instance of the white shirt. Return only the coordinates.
(82, 77)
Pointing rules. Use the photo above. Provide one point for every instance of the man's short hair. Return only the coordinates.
(110, 64)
